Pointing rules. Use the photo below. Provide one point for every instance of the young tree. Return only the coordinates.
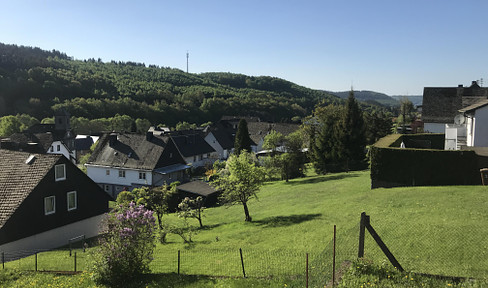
(272, 141)
(406, 114)
(9, 125)
(192, 208)
(127, 246)
(294, 159)
(239, 181)
(242, 139)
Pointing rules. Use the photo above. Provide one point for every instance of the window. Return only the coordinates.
(194, 158)
(72, 201)
(49, 205)
(59, 147)
(52, 148)
(170, 155)
(122, 173)
(60, 172)
(107, 188)
(107, 172)
(142, 175)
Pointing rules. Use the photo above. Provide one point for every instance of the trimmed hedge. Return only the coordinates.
(392, 166)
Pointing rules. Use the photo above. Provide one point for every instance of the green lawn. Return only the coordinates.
(432, 230)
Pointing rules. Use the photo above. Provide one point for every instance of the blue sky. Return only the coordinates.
(394, 47)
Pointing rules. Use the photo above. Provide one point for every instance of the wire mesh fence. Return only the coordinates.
(429, 248)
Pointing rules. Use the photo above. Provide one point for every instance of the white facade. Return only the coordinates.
(477, 127)
(201, 160)
(53, 238)
(220, 152)
(58, 147)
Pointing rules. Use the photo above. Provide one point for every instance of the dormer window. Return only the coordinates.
(122, 173)
(60, 172)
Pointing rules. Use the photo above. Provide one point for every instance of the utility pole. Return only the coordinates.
(187, 56)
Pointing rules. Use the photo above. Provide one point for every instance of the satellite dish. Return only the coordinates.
(459, 119)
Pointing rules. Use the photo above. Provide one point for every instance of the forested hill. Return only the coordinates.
(36, 82)
(370, 97)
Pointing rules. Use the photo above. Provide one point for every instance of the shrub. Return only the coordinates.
(126, 248)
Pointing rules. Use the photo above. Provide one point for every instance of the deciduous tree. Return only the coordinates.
(240, 181)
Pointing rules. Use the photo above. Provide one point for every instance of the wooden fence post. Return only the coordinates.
(383, 247)
(178, 262)
(334, 258)
(242, 263)
(35, 259)
(306, 273)
(3, 260)
(362, 231)
(75, 261)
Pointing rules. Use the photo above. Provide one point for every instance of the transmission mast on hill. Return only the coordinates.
(187, 56)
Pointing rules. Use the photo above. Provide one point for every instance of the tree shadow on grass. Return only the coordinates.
(171, 279)
(282, 221)
(320, 179)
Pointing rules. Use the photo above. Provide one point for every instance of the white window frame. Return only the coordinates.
(107, 172)
(56, 176)
(121, 173)
(142, 175)
(53, 199)
(67, 200)
(58, 147)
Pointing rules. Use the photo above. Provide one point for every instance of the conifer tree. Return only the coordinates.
(351, 135)
(242, 140)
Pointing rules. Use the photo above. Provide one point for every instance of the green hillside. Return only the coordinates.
(370, 97)
(35, 82)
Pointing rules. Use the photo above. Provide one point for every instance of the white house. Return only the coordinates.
(126, 161)
(476, 117)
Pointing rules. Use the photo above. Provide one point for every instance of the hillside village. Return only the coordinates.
(56, 184)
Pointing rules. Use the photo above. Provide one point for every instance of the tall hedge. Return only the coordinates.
(392, 166)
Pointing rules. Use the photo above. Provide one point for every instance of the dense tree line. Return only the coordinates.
(36, 82)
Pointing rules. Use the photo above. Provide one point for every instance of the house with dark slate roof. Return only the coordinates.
(123, 161)
(259, 130)
(476, 119)
(193, 148)
(45, 200)
(442, 104)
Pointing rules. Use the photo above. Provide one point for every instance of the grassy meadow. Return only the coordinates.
(430, 230)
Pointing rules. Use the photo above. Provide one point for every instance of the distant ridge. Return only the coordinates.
(416, 99)
(370, 97)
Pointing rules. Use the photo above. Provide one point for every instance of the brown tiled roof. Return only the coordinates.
(258, 130)
(18, 178)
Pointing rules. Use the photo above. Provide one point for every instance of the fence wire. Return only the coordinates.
(428, 248)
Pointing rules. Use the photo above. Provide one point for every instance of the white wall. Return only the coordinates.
(434, 127)
(54, 238)
(212, 141)
(99, 175)
(62, 150)
(481, 127)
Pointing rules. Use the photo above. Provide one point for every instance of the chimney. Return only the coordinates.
(149, 136)
(460, 86)
(112, 139)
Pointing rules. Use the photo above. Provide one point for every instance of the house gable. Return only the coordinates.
(23, 209)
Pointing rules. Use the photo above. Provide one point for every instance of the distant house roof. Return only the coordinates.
(32, 142)
(132, 151)
(258, 130)
(441, 104)
(197, 187)
(191, 144)
(19, 177)
(224, 134)
(83, 144)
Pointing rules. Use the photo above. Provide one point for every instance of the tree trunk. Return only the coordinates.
(246, 211)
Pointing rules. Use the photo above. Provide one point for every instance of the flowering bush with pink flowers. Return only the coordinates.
(126, 249)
